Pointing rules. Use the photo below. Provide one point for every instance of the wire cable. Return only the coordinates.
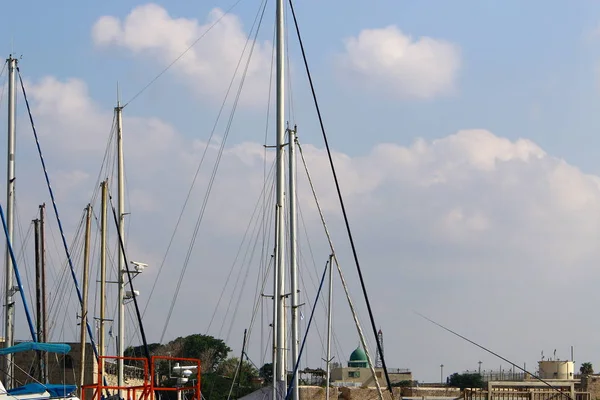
(161, 73)
(339, 193)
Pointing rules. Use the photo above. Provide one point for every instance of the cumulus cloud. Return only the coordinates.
(209, 65)
(471, 221)
(391, 60)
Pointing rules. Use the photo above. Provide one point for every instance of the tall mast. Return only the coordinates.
(38, 297)
(10, 202)
(103, 228)
(44, 337)
(293, 257)
(86, 268)
(279, 374)
(121, 195)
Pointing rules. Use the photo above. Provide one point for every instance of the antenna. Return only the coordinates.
(378, 362)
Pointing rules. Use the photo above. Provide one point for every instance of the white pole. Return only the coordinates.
(293, 257)
(329, 301)
(280, 373)
(10, 202)
(121, 195)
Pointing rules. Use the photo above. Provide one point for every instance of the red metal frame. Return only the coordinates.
(149, 385)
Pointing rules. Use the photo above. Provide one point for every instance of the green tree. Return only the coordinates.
(209, 350)
(586, 368)
(463, 381)
(266, 372)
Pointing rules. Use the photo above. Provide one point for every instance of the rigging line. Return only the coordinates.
(214, 171)
(161, 73)
(262, 195)
(339, 193)
(244, 282)
(245, 261)
(259, 299)
(130, 278)
(17, 276)
(264, 249)
(60, 281)
(494, 354)
(342, 279)
(54, 206)
(210, 139)
(312, 313)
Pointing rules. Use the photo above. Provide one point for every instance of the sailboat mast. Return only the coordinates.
(38, 296)
(293, 257)
(121, 200)
(103, 229)
(84, 311)
(10, 202)
(279, 373)
(44, 337)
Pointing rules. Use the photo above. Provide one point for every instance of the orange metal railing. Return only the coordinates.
(149, 387)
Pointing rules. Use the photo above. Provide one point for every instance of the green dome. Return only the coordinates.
(358, 355)
(358, 359)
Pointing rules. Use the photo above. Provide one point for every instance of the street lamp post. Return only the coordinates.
(441, 373)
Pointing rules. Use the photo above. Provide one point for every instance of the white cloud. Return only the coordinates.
(471, 221)
(390, 60)
(209, 65)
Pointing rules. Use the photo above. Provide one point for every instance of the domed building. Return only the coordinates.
(358, 373)
(358, 359)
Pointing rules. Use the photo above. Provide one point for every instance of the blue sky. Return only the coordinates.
(529, 69)
(440, 220)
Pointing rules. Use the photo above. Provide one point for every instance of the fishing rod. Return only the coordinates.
(496, 355)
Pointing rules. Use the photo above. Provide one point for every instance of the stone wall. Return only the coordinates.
(591, 384)
(430, 392)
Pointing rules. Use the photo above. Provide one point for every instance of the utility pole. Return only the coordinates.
(442, 374)
(86, 268)
(479, 367)
(10, 202)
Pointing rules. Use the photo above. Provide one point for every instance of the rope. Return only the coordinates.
(343, 280)
(18, 277)
(212, 133)
(312, 313)
(214, 171)
(55, 208)
(339, 192)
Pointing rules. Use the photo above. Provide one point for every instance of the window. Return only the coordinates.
(353, 374)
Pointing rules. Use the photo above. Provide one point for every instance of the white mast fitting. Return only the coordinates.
(10, 290)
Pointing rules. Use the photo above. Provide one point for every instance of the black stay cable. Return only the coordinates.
(130, 278)
(339, 192)
(560, 391)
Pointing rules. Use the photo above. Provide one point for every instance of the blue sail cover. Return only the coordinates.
(61, 348)
(55, 390)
